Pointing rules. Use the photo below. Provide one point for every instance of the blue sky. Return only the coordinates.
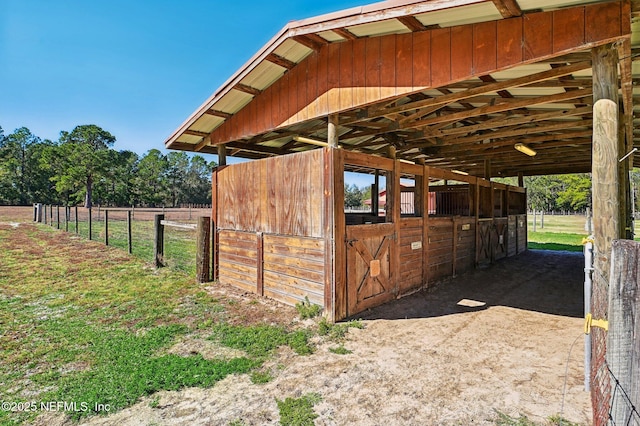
(136, 68)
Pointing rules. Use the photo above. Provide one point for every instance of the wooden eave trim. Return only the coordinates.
(412, 23)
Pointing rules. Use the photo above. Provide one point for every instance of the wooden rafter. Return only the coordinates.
(376, 111)
(412, 23)
(345, 33)
(247, 89)
(217, 113)
(508, 8)
(279, 60)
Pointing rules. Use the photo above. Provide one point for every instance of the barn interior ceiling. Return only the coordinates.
(544, 105)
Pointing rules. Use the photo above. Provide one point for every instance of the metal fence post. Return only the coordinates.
(90, 223)
(106, 227)
(129, 231)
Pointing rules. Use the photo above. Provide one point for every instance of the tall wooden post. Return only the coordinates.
(606, 210)
(487, 169)
(222, 155)
(203, 251)
(332, 131)
(623, 351)
(158, 241)
(520, 180)
(76, 217)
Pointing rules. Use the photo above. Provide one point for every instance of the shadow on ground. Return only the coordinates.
(537, 280)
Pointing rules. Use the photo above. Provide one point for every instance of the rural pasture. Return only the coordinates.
(81, 322)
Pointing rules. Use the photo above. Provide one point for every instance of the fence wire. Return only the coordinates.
(619, 393)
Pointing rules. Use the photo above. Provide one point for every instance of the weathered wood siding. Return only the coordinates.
(465, 236)
(238, 259)
(512, 246)
(440, 248)
(411, 246)
(294, 268)
(281, 195)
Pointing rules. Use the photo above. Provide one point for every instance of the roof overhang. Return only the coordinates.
(478, 111)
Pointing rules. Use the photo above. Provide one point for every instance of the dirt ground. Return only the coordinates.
(421, 360)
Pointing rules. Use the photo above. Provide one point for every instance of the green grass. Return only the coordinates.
(522, 420)
(556, 241)
(340, 350)
(84, 323)
(306, 309)
(337, 332)
(298, 411)
(260, 341)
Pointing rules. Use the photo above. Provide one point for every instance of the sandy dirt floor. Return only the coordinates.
(421, 360)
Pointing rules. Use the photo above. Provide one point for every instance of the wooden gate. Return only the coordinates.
(370, 281)
(500, 237)
(483, 248)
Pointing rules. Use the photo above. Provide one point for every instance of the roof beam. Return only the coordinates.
(508, 8)
(412, 23)
(279, 60)
(312, 41)
(196, 133)
(376, 111)
(492, 109)
(217, 113)
(345, 33)
(247, 89)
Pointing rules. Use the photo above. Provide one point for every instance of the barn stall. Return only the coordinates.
(282, 230)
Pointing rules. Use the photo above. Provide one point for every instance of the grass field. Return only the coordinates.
(91, 326)
(561, 232)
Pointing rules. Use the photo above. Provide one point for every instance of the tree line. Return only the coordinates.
(81, 167)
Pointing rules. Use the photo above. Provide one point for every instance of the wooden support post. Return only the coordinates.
(57, 217)
(520, 180)
(606, 218)
(623, 351)
(375, 194)
(45, 213)
(67, 215)
(454, 251)
(425, 226)
(487, 170)
(158, 241)
(129, 240)
(391, 152)
(203, 250)
(106, 227)
(222, 155)
(50, 214)
(90, 223)
(76, 217)
(332, 131)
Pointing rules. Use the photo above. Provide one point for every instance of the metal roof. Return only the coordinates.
(296, 41)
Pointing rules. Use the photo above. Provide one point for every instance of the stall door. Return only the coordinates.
(485, 229)
(369, 278)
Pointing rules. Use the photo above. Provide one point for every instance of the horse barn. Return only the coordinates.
(431, 101)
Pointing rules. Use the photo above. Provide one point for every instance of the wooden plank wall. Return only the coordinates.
(465, 244)
(238, 259)
(440, 246)
(294, 268)
(512, 247)
(280, 195)
(353, 73)
(411, 246)
(521, 221)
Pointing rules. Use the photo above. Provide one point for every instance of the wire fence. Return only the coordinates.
(131, 229)
(621, 399)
